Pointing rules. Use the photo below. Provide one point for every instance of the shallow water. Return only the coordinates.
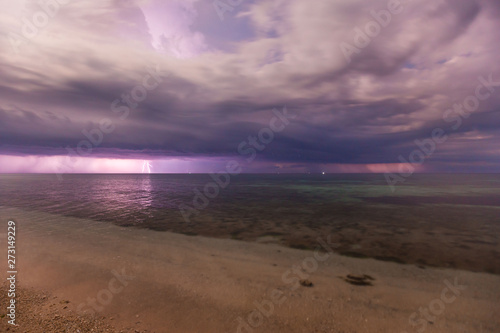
(445, 220)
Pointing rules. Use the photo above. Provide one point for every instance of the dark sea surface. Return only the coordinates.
(450, 220)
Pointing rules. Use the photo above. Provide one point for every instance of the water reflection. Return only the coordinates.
(146, 191)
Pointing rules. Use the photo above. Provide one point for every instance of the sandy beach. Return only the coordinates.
(250, 166)
(77, 275)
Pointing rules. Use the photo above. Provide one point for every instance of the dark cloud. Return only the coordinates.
(226, 77)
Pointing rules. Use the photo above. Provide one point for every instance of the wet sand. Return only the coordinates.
(460, 237)
(147, 281)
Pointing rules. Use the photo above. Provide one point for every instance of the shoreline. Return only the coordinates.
(186, 284)
(443, 246)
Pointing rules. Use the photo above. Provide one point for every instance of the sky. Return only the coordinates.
(173, 86)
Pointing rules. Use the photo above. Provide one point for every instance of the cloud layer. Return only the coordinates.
(212, 83)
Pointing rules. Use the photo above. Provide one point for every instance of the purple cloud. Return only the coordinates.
(222, 80)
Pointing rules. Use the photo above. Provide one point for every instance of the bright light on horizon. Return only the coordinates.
(63, 164)
(146, 166)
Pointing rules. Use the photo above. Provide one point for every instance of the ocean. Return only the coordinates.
(449, 220)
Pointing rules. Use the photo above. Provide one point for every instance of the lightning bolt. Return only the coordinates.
(146, 166)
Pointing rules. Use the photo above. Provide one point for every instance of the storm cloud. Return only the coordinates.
(176, 85)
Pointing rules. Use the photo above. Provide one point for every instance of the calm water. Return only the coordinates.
(147, 200)
(360, 211)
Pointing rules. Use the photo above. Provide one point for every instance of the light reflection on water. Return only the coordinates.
(152, 200)
(444, 220)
